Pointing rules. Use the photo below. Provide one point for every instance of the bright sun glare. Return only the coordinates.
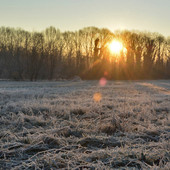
(115, 47)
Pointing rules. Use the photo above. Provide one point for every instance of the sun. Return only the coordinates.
(115, 47)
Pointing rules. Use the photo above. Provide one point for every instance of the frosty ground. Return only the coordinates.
(59, 125)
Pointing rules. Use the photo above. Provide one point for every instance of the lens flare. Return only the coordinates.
(102, 81)
(105, 73)
(97, 97)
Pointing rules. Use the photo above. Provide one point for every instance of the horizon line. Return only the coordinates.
(62, 31)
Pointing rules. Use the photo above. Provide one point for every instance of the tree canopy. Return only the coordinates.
(52, 54)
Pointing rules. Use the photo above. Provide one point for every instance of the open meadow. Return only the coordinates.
(85, 124)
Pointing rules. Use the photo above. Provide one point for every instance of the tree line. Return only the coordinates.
(52, 54)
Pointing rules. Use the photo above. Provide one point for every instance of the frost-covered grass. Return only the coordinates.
(58, 125)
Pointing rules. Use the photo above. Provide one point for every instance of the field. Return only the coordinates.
(81, 124)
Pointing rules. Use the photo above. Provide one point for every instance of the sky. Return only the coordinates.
(36, 15)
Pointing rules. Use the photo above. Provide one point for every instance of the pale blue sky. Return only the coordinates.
(144, 15)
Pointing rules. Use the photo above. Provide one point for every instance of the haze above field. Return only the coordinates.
(152, 15)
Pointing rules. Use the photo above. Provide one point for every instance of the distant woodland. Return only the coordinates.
(52, 54)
